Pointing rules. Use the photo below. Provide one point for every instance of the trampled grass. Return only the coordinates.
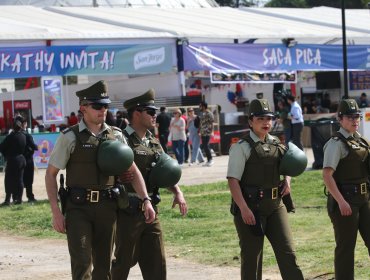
(207, 234)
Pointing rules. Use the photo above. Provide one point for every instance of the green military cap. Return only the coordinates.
(260, 107)
(348, 107)
(145, 100)
(97, 93)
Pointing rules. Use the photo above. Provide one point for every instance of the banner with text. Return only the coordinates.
(273, 57)
(85, 60)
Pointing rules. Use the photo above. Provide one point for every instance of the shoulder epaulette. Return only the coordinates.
(68, 129)
(116, 128)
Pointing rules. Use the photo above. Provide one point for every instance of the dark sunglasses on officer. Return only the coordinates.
(149, 111)
(354, 117)
(98, 106)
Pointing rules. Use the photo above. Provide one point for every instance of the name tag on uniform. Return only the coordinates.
(87, 146)
(143, 153)
(266, 149)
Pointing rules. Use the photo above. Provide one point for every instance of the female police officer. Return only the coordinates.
(346, 175)
(253, 178)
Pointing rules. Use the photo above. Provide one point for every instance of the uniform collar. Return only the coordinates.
(130, 131)
(255, 138)
(346, 134)
(82, 126)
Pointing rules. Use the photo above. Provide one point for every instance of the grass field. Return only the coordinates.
(207, 234)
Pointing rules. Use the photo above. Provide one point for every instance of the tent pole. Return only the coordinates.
(345, 67)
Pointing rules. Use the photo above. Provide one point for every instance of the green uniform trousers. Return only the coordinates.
(138, 242)
(345, 231)
(90, 234)
(274, 220)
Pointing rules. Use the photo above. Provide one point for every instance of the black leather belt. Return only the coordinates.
(354, 189)
(93, 196)
(257, 193)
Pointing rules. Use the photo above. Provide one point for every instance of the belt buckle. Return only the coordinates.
(94, 196)
(363, 188)
(274, 193)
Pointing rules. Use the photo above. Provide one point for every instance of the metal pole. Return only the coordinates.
(344, 44)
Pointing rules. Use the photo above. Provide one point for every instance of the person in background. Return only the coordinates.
(29, 170)
(193, 128)
(346, 176)
(284, 111)
(325, 104)
(72, 119)
(186, 144)
(137, 241)
(257, 206)
(178, 135)
(13, 148)
(110, 120)
(296, 118)
(91, 206)
(121, 119)
(163, 122)
(206, 130)
(363, 102)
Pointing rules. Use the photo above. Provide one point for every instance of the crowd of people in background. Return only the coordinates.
(188, 133)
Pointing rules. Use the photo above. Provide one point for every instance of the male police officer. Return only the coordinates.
(137, 241)
(91, 206)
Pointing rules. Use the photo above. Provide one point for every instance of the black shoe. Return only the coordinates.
(5, 203)
(33, 200)
(15, 202)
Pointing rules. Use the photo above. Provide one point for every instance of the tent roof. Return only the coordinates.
(316, 25)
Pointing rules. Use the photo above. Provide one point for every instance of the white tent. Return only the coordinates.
(27, 24)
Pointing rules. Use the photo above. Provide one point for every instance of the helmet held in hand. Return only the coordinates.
(114, 157)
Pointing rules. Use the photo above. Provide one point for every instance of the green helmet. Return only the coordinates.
(294, 161)
(166, 172)
(260, 107)
(114, 157)
(348, 107)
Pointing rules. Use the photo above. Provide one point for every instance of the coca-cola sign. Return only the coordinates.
(21, 105)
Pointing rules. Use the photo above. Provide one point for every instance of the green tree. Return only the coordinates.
(236, 3)
(349, 4)
(287, 3)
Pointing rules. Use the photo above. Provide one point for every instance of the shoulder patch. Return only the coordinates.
(68, 129)
(116, 128)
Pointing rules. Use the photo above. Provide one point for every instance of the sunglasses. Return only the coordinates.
(353, 117)
(150, 112)
(98, 106)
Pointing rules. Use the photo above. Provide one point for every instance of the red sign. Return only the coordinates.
(20, 105)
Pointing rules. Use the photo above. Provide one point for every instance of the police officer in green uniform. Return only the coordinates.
(346, 176)
(137, 241)
(91, 206)
(253, 178)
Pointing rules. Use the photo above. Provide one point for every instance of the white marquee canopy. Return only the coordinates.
(27, 25)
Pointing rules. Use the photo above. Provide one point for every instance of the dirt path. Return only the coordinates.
(24, 258)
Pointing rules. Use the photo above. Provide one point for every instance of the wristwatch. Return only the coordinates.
(143, 202)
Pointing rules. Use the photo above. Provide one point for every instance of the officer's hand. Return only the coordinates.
(284, 187)
(59, 222)
(248, 216)
(345, 208)
(127, 177)
(149, 212)
(180, 200)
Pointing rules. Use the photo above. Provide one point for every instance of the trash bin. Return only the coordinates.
(321, 131)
